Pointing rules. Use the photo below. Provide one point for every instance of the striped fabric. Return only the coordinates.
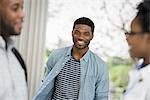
(67, 83)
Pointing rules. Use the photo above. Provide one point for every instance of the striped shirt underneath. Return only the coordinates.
(67, 83)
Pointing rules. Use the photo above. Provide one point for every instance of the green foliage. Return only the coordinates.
(46, 54)
(118, 74)
(118, 71)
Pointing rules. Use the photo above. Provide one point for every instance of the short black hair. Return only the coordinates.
(85, 21)
(144, 15)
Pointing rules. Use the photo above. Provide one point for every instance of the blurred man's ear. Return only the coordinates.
(148, 36)
(72, 32)
(92, 36)
(0, 25)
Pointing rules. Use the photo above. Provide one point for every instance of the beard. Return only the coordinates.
(84, 45)
(7, 29)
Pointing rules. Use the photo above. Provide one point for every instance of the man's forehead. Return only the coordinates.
(83, 26)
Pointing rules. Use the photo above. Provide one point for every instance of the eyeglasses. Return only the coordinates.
(132, 33)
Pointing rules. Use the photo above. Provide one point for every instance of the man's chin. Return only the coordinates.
(15, 34)
(80, 47)
(132, 55)
(16, 31)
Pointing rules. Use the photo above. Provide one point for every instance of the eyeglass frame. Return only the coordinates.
(132, 33)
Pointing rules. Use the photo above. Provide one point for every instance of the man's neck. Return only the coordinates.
(5, 35)
(79, 53)
(6, 39)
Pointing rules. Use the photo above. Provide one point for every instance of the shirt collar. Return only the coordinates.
(69, 51)
(2, 42)
(85, 57)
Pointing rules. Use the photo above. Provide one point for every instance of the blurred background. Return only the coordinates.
(48, 25)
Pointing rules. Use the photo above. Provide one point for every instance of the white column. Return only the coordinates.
(31, 43)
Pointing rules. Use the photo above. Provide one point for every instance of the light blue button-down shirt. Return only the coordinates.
(94, 82)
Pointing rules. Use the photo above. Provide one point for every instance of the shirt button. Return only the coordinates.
(42, 88)
(45, 86)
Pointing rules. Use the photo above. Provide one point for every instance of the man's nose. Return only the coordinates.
(21, 13)
(81, 36)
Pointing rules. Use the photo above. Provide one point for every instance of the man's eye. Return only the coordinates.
(86, 34)
(15, 8)
(77, 32)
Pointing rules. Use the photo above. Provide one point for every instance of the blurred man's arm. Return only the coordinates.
(102, 85)
(50, 63)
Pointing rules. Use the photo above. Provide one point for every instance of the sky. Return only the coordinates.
(108, 40)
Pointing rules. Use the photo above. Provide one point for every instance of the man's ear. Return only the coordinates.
(92, 36)
(0, 25)
(148, 37)
(72, 32)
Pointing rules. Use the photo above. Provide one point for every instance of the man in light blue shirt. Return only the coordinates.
(75, 73)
